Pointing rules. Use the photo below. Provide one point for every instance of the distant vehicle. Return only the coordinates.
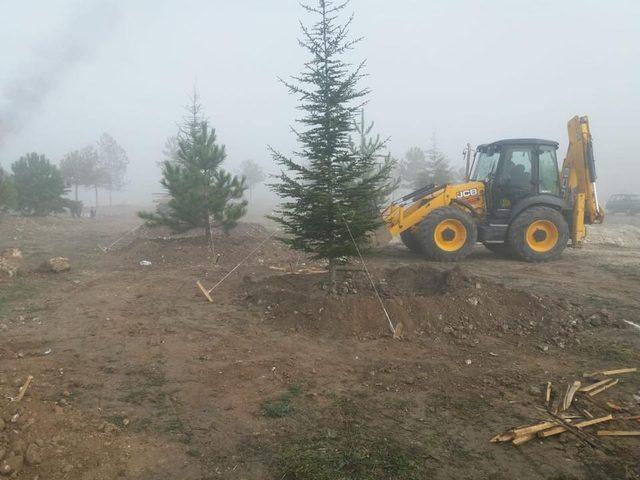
(624, 203)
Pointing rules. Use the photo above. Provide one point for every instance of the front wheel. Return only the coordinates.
(538, 234)
(411, 241)
(447, 234)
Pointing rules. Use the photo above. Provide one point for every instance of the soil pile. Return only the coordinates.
(160, 247)
(426, 300)
(618, 235)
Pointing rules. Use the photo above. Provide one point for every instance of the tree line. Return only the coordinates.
(37, 187)
(331, 188)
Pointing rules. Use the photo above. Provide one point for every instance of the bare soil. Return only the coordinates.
(137, 376)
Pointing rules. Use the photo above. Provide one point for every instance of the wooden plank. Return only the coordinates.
(603, 388)
(204, 291)
(557, 430)
(619, 433)
(593, 386)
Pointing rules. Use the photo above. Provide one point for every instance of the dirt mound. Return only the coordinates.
(618, 235)
(427, 301)
(160, 247)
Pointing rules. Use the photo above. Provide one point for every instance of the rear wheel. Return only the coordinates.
(411, 241)
(538, 234)
(447, 234)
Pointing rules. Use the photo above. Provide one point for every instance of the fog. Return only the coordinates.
(465, 70)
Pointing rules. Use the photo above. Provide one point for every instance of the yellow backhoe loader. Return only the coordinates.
(516, 202)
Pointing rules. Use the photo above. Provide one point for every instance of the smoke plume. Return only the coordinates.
(24, 95)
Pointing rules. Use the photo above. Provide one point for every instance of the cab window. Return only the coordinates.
(548, 168)
(517, 169)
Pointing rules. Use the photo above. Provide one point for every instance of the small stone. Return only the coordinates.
(33, 456)
(544, 348)
(468, 361)
(11, 465)
(57, 265)
(448, 329)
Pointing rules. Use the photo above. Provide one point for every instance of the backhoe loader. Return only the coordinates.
(516, 202)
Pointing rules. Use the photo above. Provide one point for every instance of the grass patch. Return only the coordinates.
(339, 446)
(281, 406)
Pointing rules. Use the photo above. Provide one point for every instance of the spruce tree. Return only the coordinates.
(328, 190)
(202, 193)
(438, 169)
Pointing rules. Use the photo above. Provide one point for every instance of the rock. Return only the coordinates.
(448, 329)
(33, 456)
(544, 348)
(56, 265)
(11, 465)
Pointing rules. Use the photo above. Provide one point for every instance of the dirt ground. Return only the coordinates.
(137, 376)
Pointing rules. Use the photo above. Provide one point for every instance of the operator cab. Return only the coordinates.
(518, 173)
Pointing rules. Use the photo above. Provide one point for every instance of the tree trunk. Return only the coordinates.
(76, 192)
(96, 190)
(110, 204)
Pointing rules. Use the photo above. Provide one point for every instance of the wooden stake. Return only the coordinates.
(557, 430)
(608, 373)
(603, 388)
(23, 388)
(619, 433)
(593, 386)
(204, 291)
(518, 432)
(523, 439)
(547, 396)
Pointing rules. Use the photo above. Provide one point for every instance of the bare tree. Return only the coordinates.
(253, 173)
(113, 161)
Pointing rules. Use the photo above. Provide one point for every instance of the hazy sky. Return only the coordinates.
(471, 71)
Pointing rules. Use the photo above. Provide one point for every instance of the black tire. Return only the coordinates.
(429, 229)
(500, 249)
(539, 245)
(410, 241)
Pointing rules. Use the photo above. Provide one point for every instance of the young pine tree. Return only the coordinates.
(38, 185)
(202, 193)
(329, 191)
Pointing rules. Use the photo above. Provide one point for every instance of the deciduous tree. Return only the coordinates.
(113, 162)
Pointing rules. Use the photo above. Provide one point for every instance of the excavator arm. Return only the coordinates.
(579, 180)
